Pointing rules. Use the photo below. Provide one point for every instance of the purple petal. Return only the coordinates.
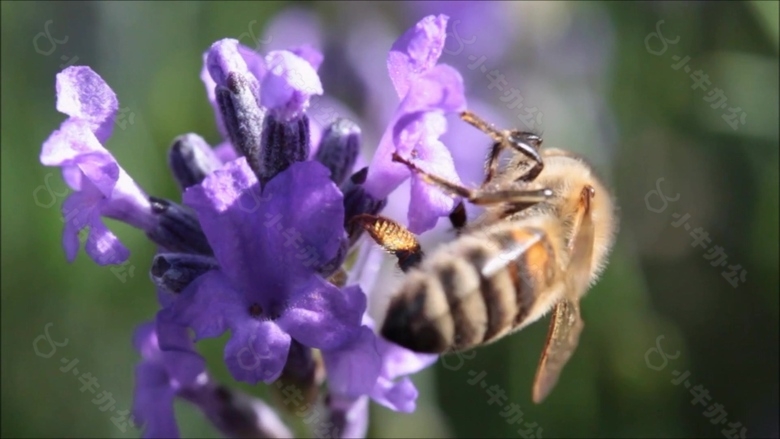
(153, 402)
(400, 396)
(288, 84)
(430, 201)
(398, 361)
(417, 121)
(223, 58)
(210, 305)
(253, 63)
(257, 351)
(170, 335)
(309, 53)
(322, 316)
(102, 172)
(349, 416)
(78, 210)
(103, 246)
(145, 339)
(440, 88)
(354, 369)
(298, 216)
(226, 152)
(416, 51)
(83, 95)
(72, 141)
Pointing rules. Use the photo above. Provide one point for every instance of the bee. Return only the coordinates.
(543, 239)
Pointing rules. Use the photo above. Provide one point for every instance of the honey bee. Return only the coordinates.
(542, 241)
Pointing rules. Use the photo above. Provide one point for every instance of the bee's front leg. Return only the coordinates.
(482, 196)
(394, 238)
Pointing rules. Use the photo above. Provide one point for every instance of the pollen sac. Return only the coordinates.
(175, 271)
(177, 229)
(243, 117)
(394, 238)
(283, 143)
(358, 202)
(339, 148)
(191, 159)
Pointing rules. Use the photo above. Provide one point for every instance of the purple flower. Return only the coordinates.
(171, 368)
(284, 81)
(370, 365)
(269, 243)
(101, 187)
(162, 374)
(288, 84)
(427, 92)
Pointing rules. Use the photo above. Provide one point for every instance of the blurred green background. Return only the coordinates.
(606, 88)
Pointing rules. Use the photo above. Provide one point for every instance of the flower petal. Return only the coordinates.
(354, 369)
(400, 396)
(288, 84)
(257, 351)
(308, 52)
(209, 305)
(78, 211)
(398, 361)
(103, 246)
(416, 51)
(322, 316)
(153, 402)
(297, 223)
(225, 152)
(145, 339)
(417, 121)
(430, 201)
(439, 89)
(223, 58)
(71, 141)
(83, 95)
(254, 64)
(349, 416)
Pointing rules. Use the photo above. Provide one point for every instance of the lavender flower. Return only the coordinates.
(102, 187)
(283, 82)
(269, 244)
(162, 375)
(265, 221)
(370, 365)
(427, 92)
(171, 368)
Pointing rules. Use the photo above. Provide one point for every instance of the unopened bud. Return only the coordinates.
(177, 229)
(283, 143)
(175, 271)
(243, 117)
(191, 159)
(339, 148)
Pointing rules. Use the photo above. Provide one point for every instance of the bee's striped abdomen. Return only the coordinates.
(472, 291)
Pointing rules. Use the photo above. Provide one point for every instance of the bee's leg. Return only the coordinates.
(581, 244)
(491, 166)
(480, 196)
(458, 217)
(394, 238)
(524, 142)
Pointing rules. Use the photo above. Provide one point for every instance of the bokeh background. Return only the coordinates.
(601, 79)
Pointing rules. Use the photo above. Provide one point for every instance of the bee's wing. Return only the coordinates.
(562, 338)
(566, 324)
